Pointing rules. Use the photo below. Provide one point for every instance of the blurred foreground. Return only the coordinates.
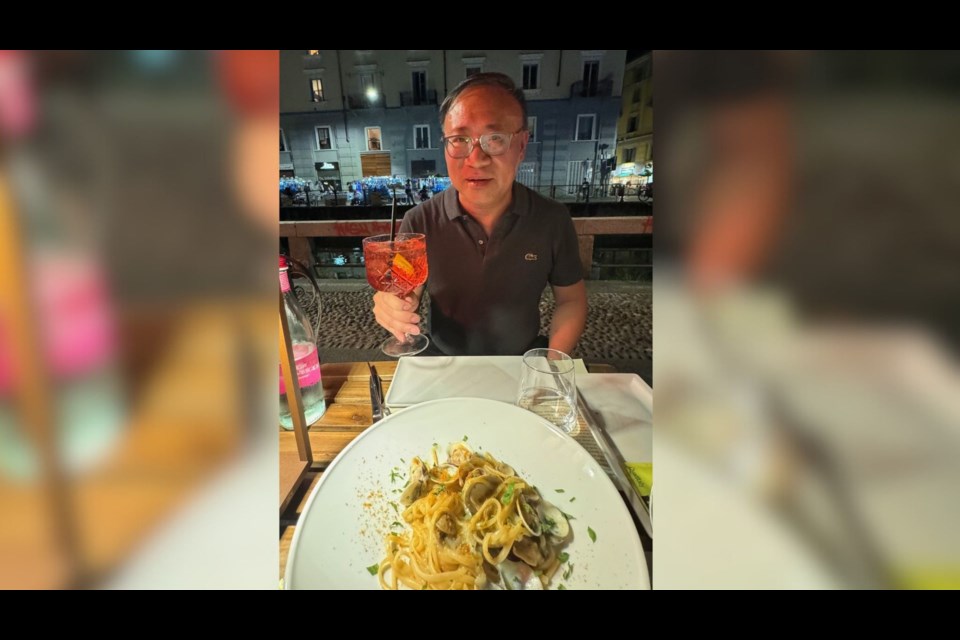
(806, 288)
(137, 319)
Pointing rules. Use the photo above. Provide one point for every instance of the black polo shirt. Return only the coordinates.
(485, 292)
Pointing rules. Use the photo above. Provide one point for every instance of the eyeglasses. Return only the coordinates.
(493, 144)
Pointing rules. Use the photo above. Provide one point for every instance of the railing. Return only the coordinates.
(414, 98)
(600, 192)
(299, 235)
(602, 88)
(361, 101)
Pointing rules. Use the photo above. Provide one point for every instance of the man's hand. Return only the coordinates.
(398, 315)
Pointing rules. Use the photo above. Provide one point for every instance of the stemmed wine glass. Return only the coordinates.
(397, 266)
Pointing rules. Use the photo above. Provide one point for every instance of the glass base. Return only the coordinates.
(409, 347)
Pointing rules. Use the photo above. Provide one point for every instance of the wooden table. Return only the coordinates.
(346, 387)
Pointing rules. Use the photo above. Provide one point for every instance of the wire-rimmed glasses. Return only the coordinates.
(493, 144)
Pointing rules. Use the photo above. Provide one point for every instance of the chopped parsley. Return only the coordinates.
(374, 569)
(394, 475)
(559, 490)
(548, 524)
(592, 534)
(572, 499)
(464, 438)
(561, 588)
(394, 505)
(563, 557)
(396, 524)
(440, 489)
(567, 516)
(566, 574)
(508, 494)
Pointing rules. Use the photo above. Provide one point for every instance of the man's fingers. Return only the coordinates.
(393, 314)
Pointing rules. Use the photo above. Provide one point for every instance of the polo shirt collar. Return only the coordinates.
(519, 203)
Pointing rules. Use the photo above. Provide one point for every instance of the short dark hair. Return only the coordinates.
(500, 80)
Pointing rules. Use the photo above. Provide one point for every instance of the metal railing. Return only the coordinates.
(414, 98)
(601, 193)
(602, 88)
(361, 101)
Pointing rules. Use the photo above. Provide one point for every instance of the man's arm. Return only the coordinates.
(569, 317)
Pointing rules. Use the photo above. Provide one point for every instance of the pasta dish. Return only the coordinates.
(472, 523)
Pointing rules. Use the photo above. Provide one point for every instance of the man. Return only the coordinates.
(492, 244)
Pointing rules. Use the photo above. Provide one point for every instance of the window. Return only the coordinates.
(316, 90)
(591, 75)
(527, 174)
(366, 83)
(283, 142)
(374, 139)
(585, 124)
(324, 138)
(421, 136)
(419, 79)
(473, 65)
(632, 124)
(531, 76)
(423, 168)
(532, 127)
(629, 155)
(636, 94)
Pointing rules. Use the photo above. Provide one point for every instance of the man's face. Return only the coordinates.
(485, 182)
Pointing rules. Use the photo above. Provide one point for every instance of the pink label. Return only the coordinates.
(6, 360)
(284, 281)
(308, 366)
(74, 318)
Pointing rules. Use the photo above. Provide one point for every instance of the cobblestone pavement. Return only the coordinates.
(619, 321)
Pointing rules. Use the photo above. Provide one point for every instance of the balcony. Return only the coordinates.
(415, 98)
(362, 101)
(601, 89)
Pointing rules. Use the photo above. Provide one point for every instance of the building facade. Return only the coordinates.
(635, 127)
(346, 115)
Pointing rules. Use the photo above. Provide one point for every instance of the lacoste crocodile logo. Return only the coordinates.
(530, 257)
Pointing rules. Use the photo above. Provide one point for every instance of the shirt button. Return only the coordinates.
(480, 241)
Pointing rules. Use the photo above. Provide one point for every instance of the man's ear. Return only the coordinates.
(523, 141)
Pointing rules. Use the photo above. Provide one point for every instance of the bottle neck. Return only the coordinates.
(284, 281)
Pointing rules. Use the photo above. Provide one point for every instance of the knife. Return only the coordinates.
(617, 464)
(376, 394)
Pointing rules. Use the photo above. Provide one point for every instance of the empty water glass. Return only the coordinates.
(548, 387)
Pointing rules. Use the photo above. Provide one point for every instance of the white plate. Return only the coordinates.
(624, 403)
(432, 378)
(342, 529)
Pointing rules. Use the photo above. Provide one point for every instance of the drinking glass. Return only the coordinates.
(398, 267)
(548, 387)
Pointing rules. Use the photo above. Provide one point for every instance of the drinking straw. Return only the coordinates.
(393, 218)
